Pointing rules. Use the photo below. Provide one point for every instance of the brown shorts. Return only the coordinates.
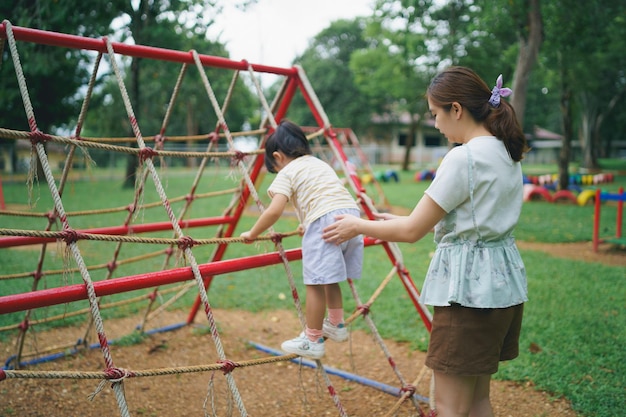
(472, 341)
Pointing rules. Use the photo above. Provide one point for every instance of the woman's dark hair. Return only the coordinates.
(289, 139)
(464, 86)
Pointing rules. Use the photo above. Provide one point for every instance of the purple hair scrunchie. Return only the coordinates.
(498, 92)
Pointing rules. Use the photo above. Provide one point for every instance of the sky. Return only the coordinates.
(274, 32)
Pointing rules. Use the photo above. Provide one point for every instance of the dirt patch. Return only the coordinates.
(607, 254)
(279, 388)
(273, 389)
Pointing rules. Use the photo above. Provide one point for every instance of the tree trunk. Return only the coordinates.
(528, 52)
(596, 140)
(139, 21)
(410, 141)
(133, 160)
(564, 155)
(192, 129)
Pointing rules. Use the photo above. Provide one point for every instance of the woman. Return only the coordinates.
(476, 281)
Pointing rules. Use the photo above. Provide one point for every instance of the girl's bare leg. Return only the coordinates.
(315, 306)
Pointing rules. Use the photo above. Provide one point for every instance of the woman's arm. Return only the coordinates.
(269, 216)
(411, 228)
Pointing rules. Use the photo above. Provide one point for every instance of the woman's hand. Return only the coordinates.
(344, 229)
(385, 216)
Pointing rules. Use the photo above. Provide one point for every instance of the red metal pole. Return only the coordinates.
(620, 212)
(70, 293)
(596, 220)
(99, 45)
(12, 241)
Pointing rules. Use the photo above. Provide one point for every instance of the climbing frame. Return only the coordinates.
(175, 270)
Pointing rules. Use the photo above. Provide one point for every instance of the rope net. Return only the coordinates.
(163, 248)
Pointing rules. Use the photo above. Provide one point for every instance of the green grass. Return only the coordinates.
(574, 320)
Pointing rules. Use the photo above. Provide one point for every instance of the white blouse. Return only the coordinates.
(477, 263)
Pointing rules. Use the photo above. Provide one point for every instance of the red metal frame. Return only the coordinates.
(600, 196)
(296, 81)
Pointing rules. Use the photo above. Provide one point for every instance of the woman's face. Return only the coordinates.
(446, 122)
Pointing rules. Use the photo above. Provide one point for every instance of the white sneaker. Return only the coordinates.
(338, 333)
(302, 346)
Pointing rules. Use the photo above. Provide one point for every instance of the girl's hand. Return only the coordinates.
(247, 237)
(344, 229)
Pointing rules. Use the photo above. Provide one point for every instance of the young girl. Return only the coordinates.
(318, 195)
(476, 280)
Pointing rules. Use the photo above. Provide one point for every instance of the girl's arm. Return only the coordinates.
(269, 216)
(411, 228)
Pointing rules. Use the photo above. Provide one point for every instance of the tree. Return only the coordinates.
(191, 114)
(53, 75)
(143, 19)
(580, 45)
(327, 64)
(392, 72)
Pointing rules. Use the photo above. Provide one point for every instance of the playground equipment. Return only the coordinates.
(534, 192)
(168, 279)
(601, 196)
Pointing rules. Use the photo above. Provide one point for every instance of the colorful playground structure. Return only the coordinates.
(617, 238)
(544, 187)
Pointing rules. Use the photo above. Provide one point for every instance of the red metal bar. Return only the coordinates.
(12, 241)
(70, 293)
(596, 220)
(54, 296)
(620, 212)
(99, 45)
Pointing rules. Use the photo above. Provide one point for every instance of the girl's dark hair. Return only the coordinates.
(464, 86)
(289, 139)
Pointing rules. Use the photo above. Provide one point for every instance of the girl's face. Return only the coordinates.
(446, 121)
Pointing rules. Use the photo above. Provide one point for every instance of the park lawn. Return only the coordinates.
(574, 328)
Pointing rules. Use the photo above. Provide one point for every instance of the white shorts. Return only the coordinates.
(327, 263)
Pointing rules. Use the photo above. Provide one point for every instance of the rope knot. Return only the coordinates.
(159, 140)
(364, 309)
(408, 388)
(277, 238)
(116, 374)
(23, 325)
(69, 236)
(51, 216)
(111, 375)
(185, 242)
(111, 266)
(190, 198)
(3, 375)
(213, 137)
(228, 366)
(238, 157)
(37, 136)
(146, 153)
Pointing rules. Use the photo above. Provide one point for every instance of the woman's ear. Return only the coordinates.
(456, 110)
